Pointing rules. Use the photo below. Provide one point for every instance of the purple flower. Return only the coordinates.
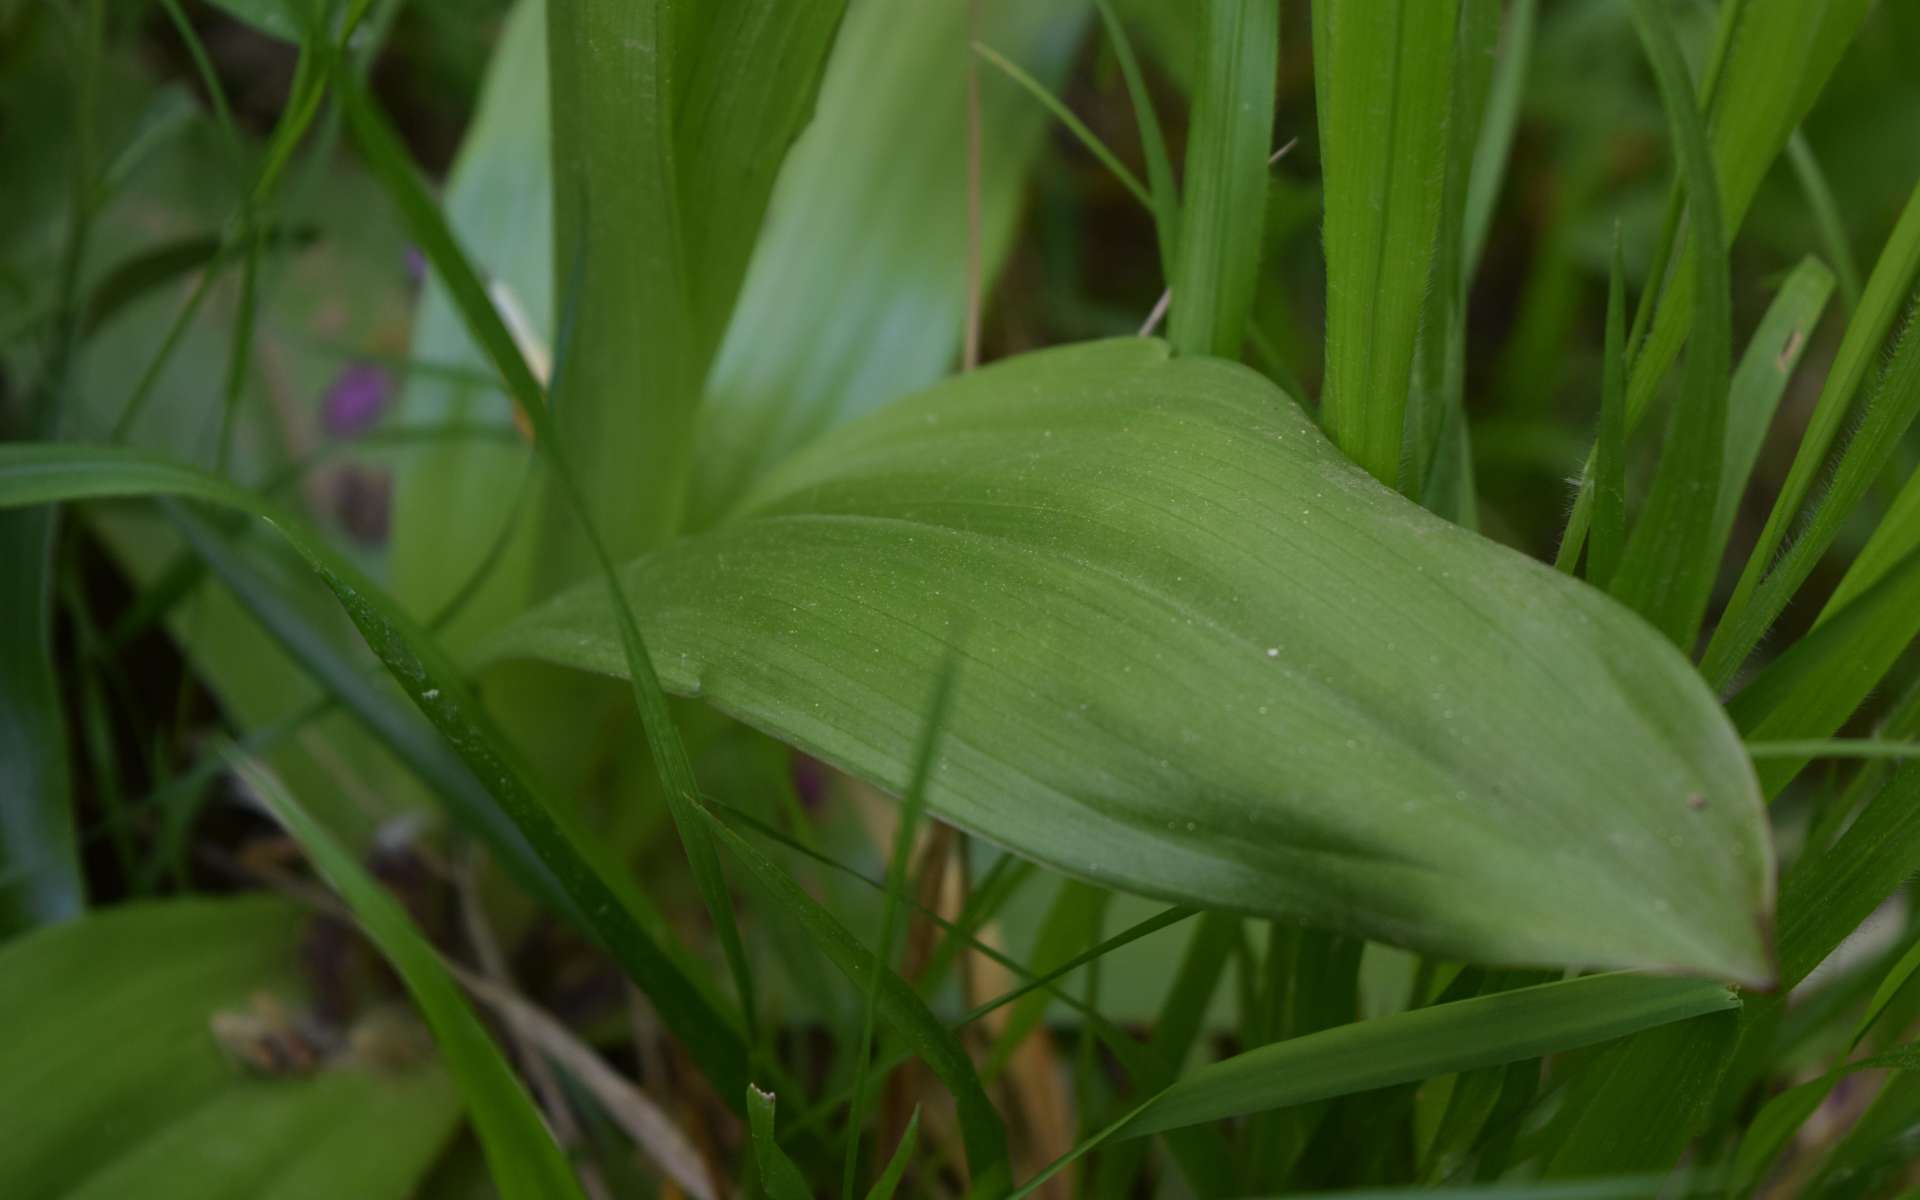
(359, 395)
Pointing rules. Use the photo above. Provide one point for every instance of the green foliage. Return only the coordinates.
(1266, 814)
(117, 1082)
(523, 1159)
(824, 611)
(1384, 88)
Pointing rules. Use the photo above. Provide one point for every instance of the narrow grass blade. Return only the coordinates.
(39, 474)
(521, 1154)
(1226, 177)
(1890, 986)
(1417, 1044)
(1772, 60)
(1072, 920)
(1781, 1118)
(1637, 1105)
(1666, 574)
(1497, 126)
(1894, 539)
(913, 807)
(1824, 898)
(1749, 611)
(1384, 94)
(484, 321)
(1074, 125)
(901, 1006)
(1610, 444)
(889, 1182)
(1837, 242)
(1809, 691)
(1426, 1042)
(1153, 143)
(1835, 748)
(40, 879)
(1759, 382)
(780, 1178)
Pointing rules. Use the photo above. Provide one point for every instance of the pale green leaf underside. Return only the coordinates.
(1205, 657)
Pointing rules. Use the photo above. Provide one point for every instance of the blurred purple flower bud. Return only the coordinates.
(809, 781)
(359, 395)
(416, 266)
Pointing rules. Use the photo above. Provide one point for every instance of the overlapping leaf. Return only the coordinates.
(1210, 660)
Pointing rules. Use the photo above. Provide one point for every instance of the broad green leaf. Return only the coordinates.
(1225, 176)
(902, 1008)
(634, 368)
(524, 1161)
(745, 75)
(39, 858)
(856, 292)
(115, 1085)
(669, 123)
(1666, 573)
(1209, 661)
(848, 219)
(1384, 93)
(40, 474)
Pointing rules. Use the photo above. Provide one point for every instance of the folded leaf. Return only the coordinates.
(1207, 658)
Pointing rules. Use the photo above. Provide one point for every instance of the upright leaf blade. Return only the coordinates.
(1610, 443)
(1384, 96)
(856, 290)
(1193, 675)
(1666, 573)
(1226, 177)
(39, 855)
